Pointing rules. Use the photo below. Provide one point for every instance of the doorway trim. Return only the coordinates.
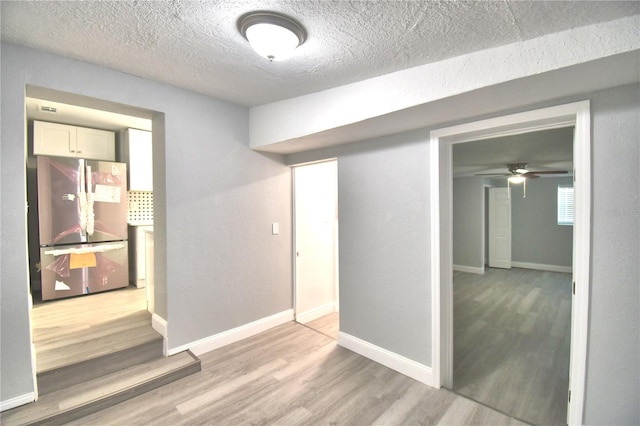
(441, 141)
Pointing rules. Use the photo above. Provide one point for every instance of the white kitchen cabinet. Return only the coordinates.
(62, 140)
(137, 152)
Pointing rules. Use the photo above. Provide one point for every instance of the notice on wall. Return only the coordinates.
(107, 194)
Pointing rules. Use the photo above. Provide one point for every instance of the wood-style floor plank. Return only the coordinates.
(511, 341)
(69, 331)
(328, 325)
(293, 375)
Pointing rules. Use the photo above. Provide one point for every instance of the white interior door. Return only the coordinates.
(499, 228)
(316, 207)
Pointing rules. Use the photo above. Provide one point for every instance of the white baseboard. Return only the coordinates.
(316, 313)
(396, 362)
(17, 401)
(470, 269)
(235, 334)
(542, 267)
(159, 324)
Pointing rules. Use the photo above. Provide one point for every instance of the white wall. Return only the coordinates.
(468, 232)
(215, 200)
(316, 221)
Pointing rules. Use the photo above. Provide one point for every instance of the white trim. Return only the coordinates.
(581, 261)
(434, 204)
(574, 114)
(410, 368)
(17, 401)
(542, 267)
(235, 334)
(316, 313)
(159, 324)
(469, 269)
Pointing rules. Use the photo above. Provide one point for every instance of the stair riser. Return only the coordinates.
(116, 398)
(64, 377)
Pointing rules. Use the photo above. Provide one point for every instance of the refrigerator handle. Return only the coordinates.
(90, 199)
(82, 196)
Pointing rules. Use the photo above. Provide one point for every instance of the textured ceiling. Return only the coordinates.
(195, 44)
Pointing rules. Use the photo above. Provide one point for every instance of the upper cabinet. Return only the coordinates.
(62, 140)
(137, 152)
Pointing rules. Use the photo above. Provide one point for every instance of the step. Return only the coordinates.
(64, 377)
(74, 402)
(57, 349)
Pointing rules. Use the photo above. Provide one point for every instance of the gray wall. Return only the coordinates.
(215, 200)
(468, 210)
(384, 228)
(382, 233)
(536, 236)
(383, 198)
(613, 369)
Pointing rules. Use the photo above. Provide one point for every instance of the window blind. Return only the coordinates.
(565, 205)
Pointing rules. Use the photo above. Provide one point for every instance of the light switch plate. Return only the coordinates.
(275, 228)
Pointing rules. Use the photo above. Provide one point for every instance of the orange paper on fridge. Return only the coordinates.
(82, 260)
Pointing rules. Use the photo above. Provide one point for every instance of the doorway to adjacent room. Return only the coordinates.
(316, 246)
(441, 143)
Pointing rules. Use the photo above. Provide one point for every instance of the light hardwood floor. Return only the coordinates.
(328, 325)
(511, 341)
(68, 331)
(293, 375)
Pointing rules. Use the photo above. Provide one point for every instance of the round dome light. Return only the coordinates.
(271, 35)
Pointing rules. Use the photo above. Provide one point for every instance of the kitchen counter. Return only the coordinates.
(145, 223)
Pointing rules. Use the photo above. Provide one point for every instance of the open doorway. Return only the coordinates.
(441, 142)
(68, 328)
(512, 317)
(316, 246)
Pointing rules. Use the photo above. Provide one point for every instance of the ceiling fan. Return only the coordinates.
(519, 170)
(518, 173)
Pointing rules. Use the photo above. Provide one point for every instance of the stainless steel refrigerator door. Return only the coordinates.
(83, 269)
(81, 201)
(107, 188)
(58, 202)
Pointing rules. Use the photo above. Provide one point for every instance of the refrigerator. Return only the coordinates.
(82, 215)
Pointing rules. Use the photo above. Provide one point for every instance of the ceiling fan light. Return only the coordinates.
(516, 179)
(271, 35)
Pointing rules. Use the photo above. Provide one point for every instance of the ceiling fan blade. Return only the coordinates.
(550, 172)
(492, 174)
(534, 175)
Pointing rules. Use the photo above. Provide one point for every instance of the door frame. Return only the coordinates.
(578, 115)
(294, 234)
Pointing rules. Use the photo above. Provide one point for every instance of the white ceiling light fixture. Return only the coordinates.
(517, 179)
(272, 35)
